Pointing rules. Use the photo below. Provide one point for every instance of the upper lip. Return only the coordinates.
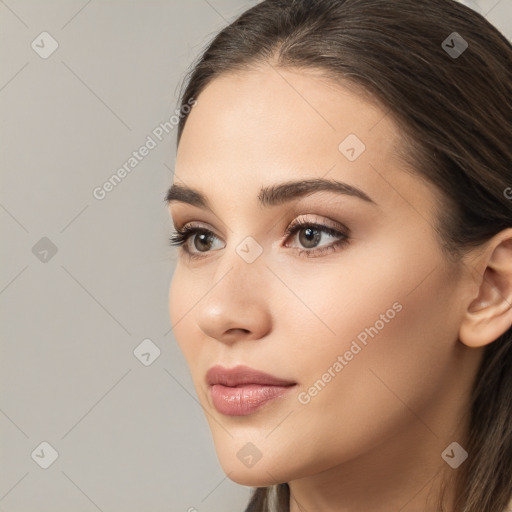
(240, 375)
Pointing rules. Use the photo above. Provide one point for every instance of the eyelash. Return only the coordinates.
(181, 236)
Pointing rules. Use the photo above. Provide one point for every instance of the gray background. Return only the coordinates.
(129, 433)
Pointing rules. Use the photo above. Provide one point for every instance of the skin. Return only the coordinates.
(372, 438)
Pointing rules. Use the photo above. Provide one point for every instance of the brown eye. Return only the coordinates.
(309, 237)
(203, 241)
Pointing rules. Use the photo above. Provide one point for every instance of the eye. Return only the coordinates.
(203, 242)
(311, 234)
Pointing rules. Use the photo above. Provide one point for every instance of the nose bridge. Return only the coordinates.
(242, 267)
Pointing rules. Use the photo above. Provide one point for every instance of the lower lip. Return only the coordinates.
(244, 400)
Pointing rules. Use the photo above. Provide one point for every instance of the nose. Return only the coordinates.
(236, 304)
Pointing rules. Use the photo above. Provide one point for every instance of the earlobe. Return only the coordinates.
(489, 314)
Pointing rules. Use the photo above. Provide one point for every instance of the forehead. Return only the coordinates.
(253, 128)
(282, 114)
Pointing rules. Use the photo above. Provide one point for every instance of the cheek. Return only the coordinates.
(393, 344)
(179, 312)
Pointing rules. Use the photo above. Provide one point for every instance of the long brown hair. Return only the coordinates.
(454, 106)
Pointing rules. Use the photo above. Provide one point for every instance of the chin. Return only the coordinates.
(252, 478)
(261, 473)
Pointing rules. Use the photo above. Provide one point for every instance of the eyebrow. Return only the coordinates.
(271, 195)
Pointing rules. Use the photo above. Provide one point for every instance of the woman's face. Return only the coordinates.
(358, 308)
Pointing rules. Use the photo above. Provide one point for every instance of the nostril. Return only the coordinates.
(236, 330)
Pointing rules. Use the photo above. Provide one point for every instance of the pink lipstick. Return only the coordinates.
(242, 390)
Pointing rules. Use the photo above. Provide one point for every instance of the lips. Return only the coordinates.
(241, 391)
(241, 376)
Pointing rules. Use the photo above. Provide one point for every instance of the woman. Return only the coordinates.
(343, 205)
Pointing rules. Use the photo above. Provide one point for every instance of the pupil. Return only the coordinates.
(203, 239)
(310, 242)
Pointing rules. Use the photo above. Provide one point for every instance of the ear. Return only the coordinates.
(489, 314)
